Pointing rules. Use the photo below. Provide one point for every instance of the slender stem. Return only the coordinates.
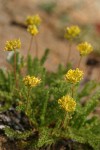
(72, 88)
(79, 63)
(99, 75)
(36, 44)
(27, 104)
(65, 120)
(44, 110)
(15, 68)
(30, 45)
(69, 52)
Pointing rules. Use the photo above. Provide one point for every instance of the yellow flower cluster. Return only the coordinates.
(31, 81)
(72, 32)
(67, 103)
(74, 76)
(33, 30)
(36, 20)
(32, 24)
(85, 48)
(12, 45)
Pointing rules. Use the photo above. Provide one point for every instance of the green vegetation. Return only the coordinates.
(48, 121)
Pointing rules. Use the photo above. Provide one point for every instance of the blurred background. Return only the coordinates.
(55, 15)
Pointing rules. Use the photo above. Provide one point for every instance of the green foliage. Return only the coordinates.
(85, 135)
(44, 57)
(19, 61)
(44, 137)
(8, 92)
(89, 86)
(17, 134)
(43, 112)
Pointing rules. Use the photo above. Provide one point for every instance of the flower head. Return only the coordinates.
(85, 48)
(12, 45)
(33, 20)
(74, 76)
(33, 30)
(67, 103)
(31, 81)
(72, 32)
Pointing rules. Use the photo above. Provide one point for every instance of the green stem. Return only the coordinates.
(72, 89)
(65, 120)
(28, 100)
(30, 45)
(15, 68)
(69, 52)
(44, 110)
(98, 76)
(36, 44)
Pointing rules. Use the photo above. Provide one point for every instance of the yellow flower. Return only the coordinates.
(85, 48)
(33, 20)
(33, 30)
(12, 45)
(31, 81)
(67, 103)
(72, 32)
(74, 76)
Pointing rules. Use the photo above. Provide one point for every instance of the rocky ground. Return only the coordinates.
(12, 17)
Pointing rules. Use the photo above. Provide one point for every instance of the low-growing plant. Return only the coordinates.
(52, 102)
